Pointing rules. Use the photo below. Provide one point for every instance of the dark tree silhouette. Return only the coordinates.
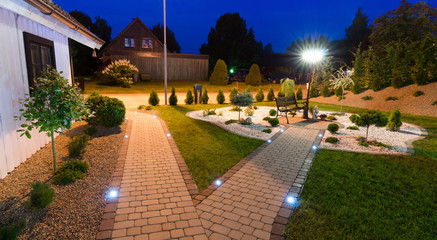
(172, 44)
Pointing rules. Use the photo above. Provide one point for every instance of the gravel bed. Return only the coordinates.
(253, 131)
(398, 140)
(77, 208)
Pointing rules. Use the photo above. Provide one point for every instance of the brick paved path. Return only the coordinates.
(246, 205)
(154, 202)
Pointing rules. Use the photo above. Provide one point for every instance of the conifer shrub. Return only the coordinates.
(394, 121)
(260, 95)
(254, 76)
(274, 122)
(332, 140)
(153, 98)
(272, 112)
(368, 118)
(280, 94)
(333, 128)
(220, 74)
(220, 97)
(234, 92)
(111, 113)
(267, 130)
(418, 93)
(77, 145)
(75, 165)
(189, 99)
(266, 118)
(67, 176)
(314, 92)
(204, 98)
(353, 128)
(42, 195)
(367, 98)
(325, 90)
(331, 118)
(299, 93)
(11, 232)
(391, 98)
(434, 103)
(173, 99)
(270, 95)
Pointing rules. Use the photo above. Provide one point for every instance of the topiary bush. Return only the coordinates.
(220, 74)
(234, 92)
(371, 117)
(220, 97)
(77, 146)
(242, 100)
(418, 93)
(394, 121)
(189, 99)
(42, 195)
(274, 122)
(299, 93)
(254, 76)
(111, 113)
(332, 140)
(270, 95)
(204, 98)
(153, 98)
(173, 99)
(333, 128)
(272, 112)
(121, 72)
(11, 232)
(260, 95)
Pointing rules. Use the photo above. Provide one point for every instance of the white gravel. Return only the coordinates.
(253, 131)
(398, 140)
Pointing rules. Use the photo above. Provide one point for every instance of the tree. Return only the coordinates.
(220, 74)
(220, 97)
(287, 87)
(268, 50)
(242, 100)
(259, 95)
(52, 108)
(234, 92)
(173, 99)
(254, 76)
(357, 33)
(172, 44)
(371, 117)
(342, 81)
(270, 95)
(189, 98)
(394, 121)
(153, 98)
(231, 41)
(299, 94)
(204, 98)
(358, 75)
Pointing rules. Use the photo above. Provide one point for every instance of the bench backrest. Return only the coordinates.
(285, 101)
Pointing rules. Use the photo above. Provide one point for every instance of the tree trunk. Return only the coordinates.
(367, 132)
(54, 153)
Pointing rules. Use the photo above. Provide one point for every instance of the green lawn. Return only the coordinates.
(208, 150)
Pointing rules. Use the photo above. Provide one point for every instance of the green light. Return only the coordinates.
(231, 70)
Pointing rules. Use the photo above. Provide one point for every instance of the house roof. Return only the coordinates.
(134, 21)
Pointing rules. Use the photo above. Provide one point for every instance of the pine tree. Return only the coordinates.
(220, 97)
(270, 95)
(299, 93)
(153, 99)
(254, 76)
(190, 98)
(220, 74)
(394, 121)
(260, 95)
(234, 92)
(204, 98)
(173, 100)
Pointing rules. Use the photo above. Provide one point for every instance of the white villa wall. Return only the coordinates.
(14, 85)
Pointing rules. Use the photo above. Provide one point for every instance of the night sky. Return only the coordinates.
(278, 22)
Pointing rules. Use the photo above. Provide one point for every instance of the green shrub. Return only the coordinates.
(148, 108)
(353, 128)
(367, 98)
(280, 94)
(244, 122)
(260, 95)
(121, 71)
(299, 93)
(270, 95)
(254, 76)
(42, 195)
(434, 103)
(234, 92)
(274, 122)
(394, 121)
(332, 140)
(314, 92)
(204, 98)
(94, 101)
(331, 118)
(189, 99)
(91, 130)
(272, 112)
(111, 113)
(235, 109)
(208, 112)
(220, 74)
(311, 108)
(267, 130)
(77, 145)
(325, 90)
(153, 98)
(363, 143)
(67, 176)
(249, 111)
(418, 93)
(266, 118)
(141, 107)
(287, 88)
(11, 232)
(75, 165)
(339, 93)
(231, 121)
(220, 97)
(368, 118)
(391, 98)
(248, 89)
(173, 99)
(333, 128)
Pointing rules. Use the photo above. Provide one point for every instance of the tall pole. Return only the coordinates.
(165, 56)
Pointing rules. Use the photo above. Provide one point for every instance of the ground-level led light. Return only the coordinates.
(135, 112)
(126, 136)
(168, 135)
(282, 130)
(269, 141)
(154, 116)
(113, 193)
(314, 147)
(291, 200)
(320, 135)
(218, 182)
(126, 118)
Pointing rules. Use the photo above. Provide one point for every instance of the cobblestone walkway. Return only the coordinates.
(246, 205)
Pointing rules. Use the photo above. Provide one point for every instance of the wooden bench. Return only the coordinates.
(288, 104)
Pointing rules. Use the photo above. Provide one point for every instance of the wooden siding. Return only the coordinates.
(14, 85)
(180, 67)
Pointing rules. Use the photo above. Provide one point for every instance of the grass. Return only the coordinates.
(208, 150)
(180, 86)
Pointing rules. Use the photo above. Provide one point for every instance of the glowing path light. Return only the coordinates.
(126, 136)
(168, 135)
(314, 147)
(113, 193)
(218, 182)
(269, 141)
(293, 201)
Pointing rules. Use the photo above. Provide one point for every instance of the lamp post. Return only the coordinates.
(165, 56)
(312, 57)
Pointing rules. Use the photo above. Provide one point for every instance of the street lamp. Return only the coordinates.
(165, 55)
(312, 57)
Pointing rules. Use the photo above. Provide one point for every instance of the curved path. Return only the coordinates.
(155, 203)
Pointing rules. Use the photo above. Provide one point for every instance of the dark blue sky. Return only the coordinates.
(278, 22)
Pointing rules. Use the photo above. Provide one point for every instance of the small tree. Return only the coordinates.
(394, 121)
(371, 117)
(342, 81)
(153, 98)
(270, 95)
(220, 74)
(234, 92)
(121, 72)
(190, 98)
(204, 98)
(260, 95)
(287, 87)
(325, 90)
(314, 92)
(52, 108)
(173, 99)
(220, 97)
(254, 76)
(299, 94)
(242, 100)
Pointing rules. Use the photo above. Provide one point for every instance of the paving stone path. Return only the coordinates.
(155, 203)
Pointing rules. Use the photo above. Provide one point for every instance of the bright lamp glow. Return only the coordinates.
(314, 147)
(291, 200)
(218, 182)
(113, 193)
(269, 141)
(168, 135)
(312, 55)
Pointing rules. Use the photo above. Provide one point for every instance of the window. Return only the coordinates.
(40, 54)
(129, 42)
(147, 43)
